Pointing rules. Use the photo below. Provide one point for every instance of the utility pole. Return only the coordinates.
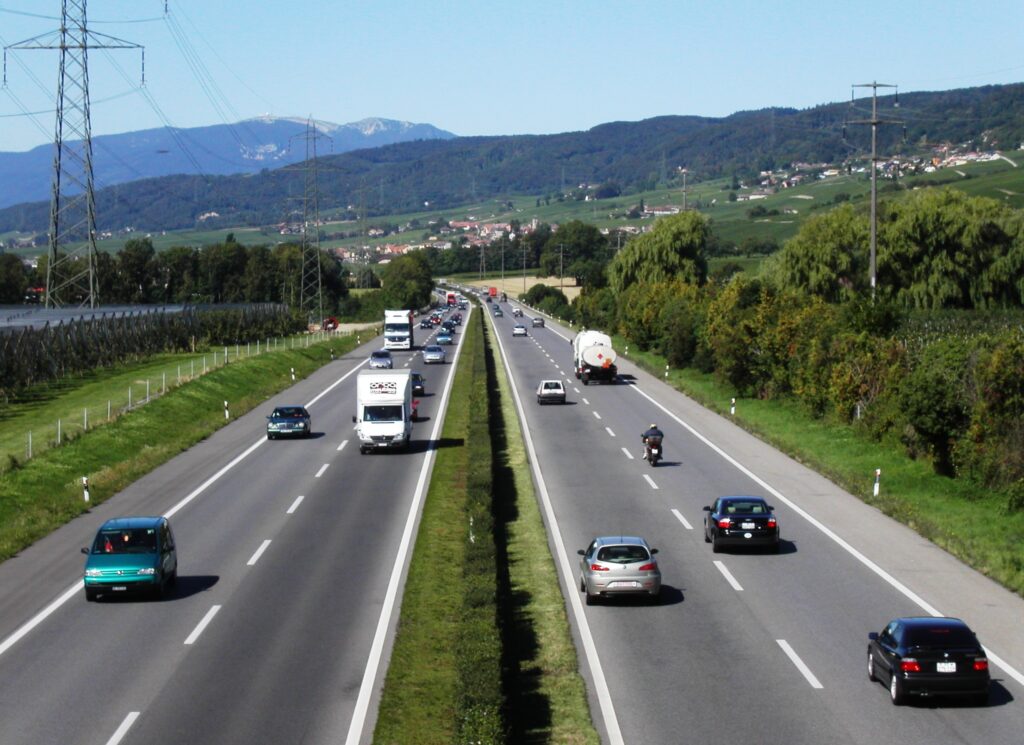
(684, 190)
(561, 259)
(311, 295)
(874, 121)
(504, 239)
(71, 266)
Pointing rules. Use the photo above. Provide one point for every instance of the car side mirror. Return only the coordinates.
(654, 551)
(873, 636)
(581, 552)
(771, 508)
(353, 419)
(269, 417)
(85, 550)
(706, 508)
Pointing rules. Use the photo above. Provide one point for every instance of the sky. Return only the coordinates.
(486, 67)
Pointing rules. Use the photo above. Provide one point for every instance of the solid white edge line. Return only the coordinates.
(367, 687)
(628, 454)
(604, 697)
(39, 617)
(202, 624)
(891, 580)
(259, 552)
(122, 730)
(650, 481)
(342, 445)
(680, 518)
(323, 468)
(295, 505)
(800, 664)
(609, 431)
(728, 576)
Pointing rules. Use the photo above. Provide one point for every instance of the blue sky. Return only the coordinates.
(488, 67)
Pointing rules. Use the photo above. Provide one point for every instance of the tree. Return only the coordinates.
(674, 249)
(13, 279)
(407, 281)
(137, 270)
(178, 271)
(572, 248)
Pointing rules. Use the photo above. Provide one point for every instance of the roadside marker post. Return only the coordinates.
(878, 478)
(732, 407)
(293, 374)
(227, 414)
(85, 488)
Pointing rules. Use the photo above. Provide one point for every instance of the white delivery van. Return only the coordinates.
(384, 409)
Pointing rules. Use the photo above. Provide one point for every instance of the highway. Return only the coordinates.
(291, 556)
(746, 647)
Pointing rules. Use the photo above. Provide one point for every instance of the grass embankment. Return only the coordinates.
(967, 520)
(483, 652)
(42, 494)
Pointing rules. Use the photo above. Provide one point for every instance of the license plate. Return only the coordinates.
(119, 588)
(747, 526)
(945, 667)
(624, 584)
(655, 451)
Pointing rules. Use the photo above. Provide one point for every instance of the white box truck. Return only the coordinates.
(398, 329)
(384, 409)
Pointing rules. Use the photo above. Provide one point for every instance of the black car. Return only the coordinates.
(740, 521)
(289, 421)
(426, 324)
(929, 656)
(417, 384)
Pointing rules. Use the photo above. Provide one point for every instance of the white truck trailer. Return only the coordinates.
(593, 357)
(384, 409)
(398, 329)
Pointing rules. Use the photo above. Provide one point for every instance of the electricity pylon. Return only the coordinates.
(71, 267)
(311, 297)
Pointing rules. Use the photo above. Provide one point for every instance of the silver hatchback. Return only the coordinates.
(619, 565)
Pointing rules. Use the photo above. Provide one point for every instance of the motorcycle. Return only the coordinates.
(653, 450)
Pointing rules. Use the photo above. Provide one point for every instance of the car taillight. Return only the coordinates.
(910, 665)
(648, 567)
(724, 522)
(598, 568)
(981, 664)
(771, 522)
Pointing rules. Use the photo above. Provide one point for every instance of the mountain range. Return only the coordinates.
(246, 147)
(624, 156)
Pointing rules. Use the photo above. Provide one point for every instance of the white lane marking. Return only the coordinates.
(576, 389)
(891, 580)
(628, 454)
(680, 518)
(342, 445)
(728, 576)
(39, 617)
(202, 624)
(323, 468)
(259, 552)
(122, 730)
(295, 505)
(609, 431)
(367, 686)
(650, 481)
(585, 401)
(596, 415)
(800, 664)
(604, 698)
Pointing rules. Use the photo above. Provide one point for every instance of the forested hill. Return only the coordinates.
(628, 155)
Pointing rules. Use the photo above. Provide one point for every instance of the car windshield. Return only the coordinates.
(391, 413)
(395, 327)
(622, 554)
(288, 412)
(433, 349)
(125, 541)
(747, 507)
(381, 355)
(939, 636)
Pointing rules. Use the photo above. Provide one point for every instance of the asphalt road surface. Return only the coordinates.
(291, 554)
(746, 647)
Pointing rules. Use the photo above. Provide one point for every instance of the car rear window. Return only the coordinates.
(939, 636)
(622, 554)
(744, 508)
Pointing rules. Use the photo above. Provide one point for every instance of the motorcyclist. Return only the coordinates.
(652, 436)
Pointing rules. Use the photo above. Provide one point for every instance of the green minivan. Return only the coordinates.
(131, 554)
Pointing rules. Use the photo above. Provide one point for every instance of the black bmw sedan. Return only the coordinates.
(741, 521)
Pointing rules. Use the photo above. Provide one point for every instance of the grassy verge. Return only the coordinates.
(964, 519)
(42, 494)
(546, 699)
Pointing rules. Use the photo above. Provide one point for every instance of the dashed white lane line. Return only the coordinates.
(650, 481)
(584, 400)
(202, 624)
(342, 445)
(576, 389)
(259, 552)
(122, 730)
(596, 415)
(609, 431)
(680, 518)
(323, 468)
(728, 576)
(628, 454)
(295, 505)
(800, 665)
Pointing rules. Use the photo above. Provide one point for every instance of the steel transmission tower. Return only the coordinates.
(311, 298)
(71, 267)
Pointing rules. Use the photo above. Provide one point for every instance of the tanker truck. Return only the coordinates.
(593, 357)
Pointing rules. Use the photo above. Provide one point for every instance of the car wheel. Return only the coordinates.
(270, 436)
(583, 585)
(716, 547)
(980, 699)
(896, 692)
(707, 538)
(871, 668)
(657, 597)
(591, 599)
(91, 593)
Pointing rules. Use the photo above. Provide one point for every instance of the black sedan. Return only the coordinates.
(929, 656)
(740, 521)
(418, 381)
(426, 324)
(289, 421)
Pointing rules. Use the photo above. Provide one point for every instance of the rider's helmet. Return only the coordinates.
(654, 426)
